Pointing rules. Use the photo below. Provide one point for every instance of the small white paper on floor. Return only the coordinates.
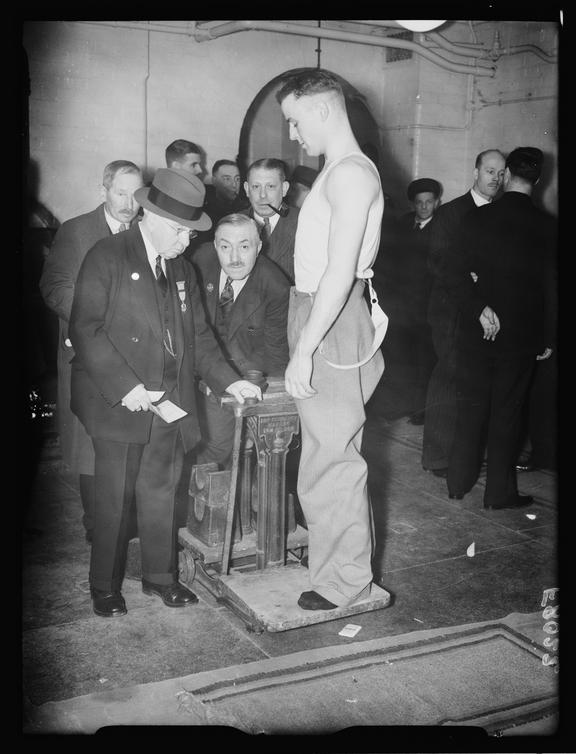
(531, 516)
(471, 550)
(350, 629)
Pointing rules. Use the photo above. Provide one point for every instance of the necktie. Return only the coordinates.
(123, 226)
(226, 297)
(265, 234)
(160, 276)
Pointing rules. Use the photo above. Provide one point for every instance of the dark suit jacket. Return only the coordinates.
(280, 246)
(257, 332)
(511, 246)
(73, 240)
(445, 240)
(116, 331)
(406, 278)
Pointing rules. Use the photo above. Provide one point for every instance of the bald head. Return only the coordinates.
(489, 173)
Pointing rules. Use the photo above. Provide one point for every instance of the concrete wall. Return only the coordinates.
(100, 93)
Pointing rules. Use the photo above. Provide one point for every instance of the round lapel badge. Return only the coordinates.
(135, 276)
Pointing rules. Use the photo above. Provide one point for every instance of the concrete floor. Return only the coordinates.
(445, 562)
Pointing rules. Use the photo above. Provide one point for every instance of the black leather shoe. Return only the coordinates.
(172, 595)
(315, 601)
(108, 604)
(455, 497)
(520, 501)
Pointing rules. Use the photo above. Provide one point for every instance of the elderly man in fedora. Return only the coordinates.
(140, 338)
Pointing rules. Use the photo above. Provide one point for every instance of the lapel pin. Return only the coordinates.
(135, 276)
(209, 287)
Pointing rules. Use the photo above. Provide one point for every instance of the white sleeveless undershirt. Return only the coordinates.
(311, 245)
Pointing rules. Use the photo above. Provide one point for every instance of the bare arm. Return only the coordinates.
(350, 190)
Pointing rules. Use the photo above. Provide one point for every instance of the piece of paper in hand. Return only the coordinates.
(471, 550)
(169, 411)
(155, 395)
(350, 629)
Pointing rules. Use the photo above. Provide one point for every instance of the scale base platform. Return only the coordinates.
(267, 600)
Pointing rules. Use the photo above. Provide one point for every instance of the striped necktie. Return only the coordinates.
(265, 234)
(226, 297)
(122, 227)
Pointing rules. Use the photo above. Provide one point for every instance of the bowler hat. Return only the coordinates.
(177, 195)
(423, 185)
(304, 175)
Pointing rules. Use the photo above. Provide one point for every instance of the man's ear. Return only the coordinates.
(259, 246)
(102, 193)
(285, 187)
(323, 109)
(246, 189)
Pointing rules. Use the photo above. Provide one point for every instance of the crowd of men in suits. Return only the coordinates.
(468, 287)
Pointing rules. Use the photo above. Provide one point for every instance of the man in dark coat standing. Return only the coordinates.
(266, 186)
(406, 283)
(251, 327)
(139, 332)
(73, 240)
(504, 288)
(440, 416)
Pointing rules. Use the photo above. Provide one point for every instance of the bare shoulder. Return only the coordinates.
(353, 176)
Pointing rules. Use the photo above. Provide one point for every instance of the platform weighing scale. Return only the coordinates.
(242, 540)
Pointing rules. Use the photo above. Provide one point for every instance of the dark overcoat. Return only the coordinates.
(117, 333)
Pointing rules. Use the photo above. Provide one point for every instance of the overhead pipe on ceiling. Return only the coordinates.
(158, 26)
(467, 48)
(231, 27)
(527, 48)
(458, 49)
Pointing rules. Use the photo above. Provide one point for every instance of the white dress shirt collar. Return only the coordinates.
(112, 222)
(422, 223)
(151, 252)
(237, 285)
(273, 220)
(478, 199)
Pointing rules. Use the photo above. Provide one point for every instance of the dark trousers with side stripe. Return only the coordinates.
(149, 474)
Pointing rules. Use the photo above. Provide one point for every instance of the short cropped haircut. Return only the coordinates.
(179, 149)
(118, 166)
(310, 81)
(525, 163)
(237, 219)
(269, 163)
(483, 154)
(218, 164)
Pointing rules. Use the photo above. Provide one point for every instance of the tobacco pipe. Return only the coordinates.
(282, 211)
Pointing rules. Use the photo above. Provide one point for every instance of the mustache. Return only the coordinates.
(282, 210)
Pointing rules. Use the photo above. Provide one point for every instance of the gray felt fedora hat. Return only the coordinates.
(177, 195)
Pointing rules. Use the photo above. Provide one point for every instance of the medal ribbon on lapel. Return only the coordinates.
(181, 294)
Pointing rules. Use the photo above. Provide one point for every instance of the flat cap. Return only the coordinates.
(422, 185)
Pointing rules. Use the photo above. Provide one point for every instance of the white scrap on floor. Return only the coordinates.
(350, 629)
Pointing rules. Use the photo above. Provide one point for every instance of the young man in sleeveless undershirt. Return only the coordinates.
(329, 326)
